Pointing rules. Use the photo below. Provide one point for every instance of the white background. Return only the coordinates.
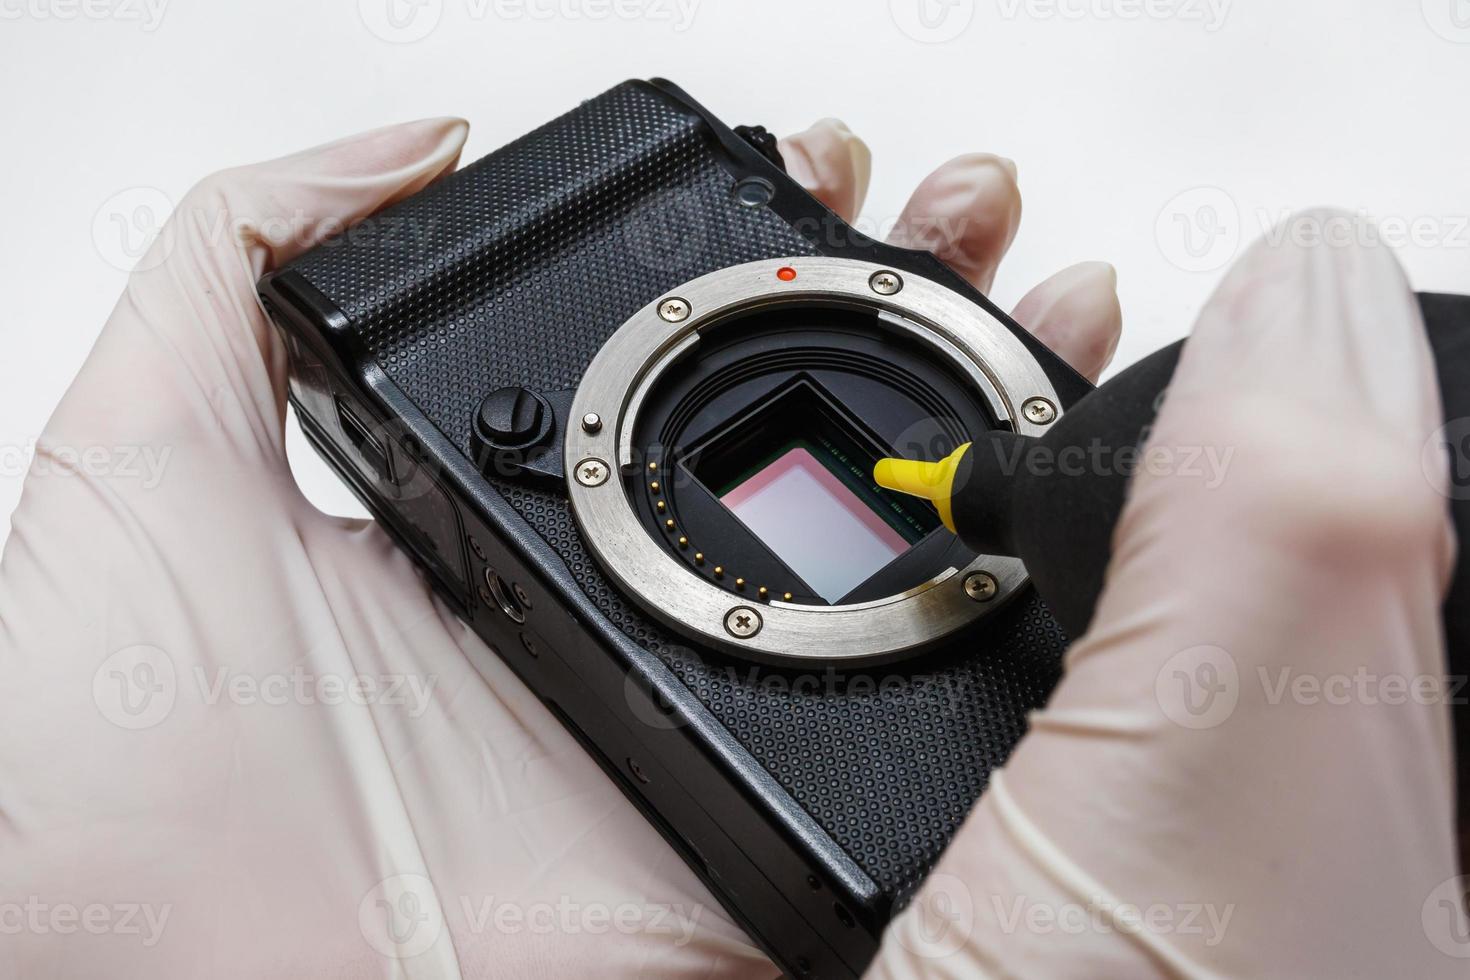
(1112, 108)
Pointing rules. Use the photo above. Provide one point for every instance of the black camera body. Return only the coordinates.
(673, 537)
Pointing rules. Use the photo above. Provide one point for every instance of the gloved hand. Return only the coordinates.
(240, 738)
(1246, 769)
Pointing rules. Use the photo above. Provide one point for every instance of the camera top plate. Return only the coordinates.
(600, 446)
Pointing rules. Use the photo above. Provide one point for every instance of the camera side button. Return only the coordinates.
(513, 418)
(754, 192)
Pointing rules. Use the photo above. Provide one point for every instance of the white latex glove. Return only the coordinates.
(1211, 758)
(189, 785)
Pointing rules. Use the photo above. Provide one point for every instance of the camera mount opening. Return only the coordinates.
(741, 439)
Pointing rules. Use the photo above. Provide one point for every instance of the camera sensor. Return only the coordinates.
(798, 475)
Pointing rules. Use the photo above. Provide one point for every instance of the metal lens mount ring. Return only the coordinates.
(619, 378)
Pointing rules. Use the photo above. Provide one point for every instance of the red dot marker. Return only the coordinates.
(786, 273)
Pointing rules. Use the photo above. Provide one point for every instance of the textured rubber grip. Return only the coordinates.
(559, 236)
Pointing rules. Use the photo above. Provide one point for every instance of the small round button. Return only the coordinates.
(511, 416)
(753, 192)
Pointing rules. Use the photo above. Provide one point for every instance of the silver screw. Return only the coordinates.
(1039, 411)
(885, 283)
(742, 622)
(981, 586)
(674, 309)
(592, 423)
(591, 472)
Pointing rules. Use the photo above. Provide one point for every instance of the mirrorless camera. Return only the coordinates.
(619, 392)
